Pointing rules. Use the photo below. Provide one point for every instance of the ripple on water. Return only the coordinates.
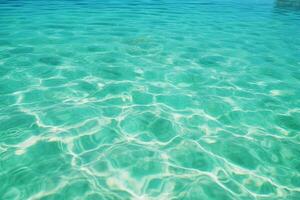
(121, 100)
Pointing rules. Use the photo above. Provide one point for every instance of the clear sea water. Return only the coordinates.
(149, 100)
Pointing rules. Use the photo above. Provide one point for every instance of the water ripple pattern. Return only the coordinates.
(149, 99)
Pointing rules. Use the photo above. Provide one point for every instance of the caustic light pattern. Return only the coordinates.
(149, 100)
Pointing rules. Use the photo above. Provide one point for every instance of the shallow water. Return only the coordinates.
(150, 99)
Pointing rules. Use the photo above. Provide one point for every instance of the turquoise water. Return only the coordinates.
(150, 100)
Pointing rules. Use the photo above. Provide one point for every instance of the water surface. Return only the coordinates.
(165, 99)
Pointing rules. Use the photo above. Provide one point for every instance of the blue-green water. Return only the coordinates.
(150, 100)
